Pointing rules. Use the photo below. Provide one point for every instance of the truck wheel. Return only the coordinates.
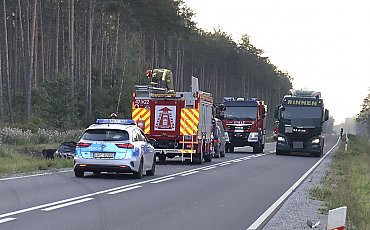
(198, 158)
(162, 158)
(207, 156)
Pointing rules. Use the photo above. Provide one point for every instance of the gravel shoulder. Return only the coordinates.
(299, 207)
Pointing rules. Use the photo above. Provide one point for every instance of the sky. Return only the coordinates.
(323, 44)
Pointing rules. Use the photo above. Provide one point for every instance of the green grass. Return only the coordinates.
(23, 159)
(348, 183)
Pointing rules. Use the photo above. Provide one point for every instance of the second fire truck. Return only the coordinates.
(245, 122)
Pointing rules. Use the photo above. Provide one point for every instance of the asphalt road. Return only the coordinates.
(228, 193)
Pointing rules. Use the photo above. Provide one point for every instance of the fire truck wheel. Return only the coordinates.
(198, 158)
(162, 158)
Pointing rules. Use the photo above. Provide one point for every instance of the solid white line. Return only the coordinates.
(27, 176)
(209, 168)
(7, 220)
(66, 204)
(124, 190)
(163, 180)
(189, 173)
(264, 218)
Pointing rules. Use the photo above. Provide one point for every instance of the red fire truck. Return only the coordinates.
(245, 122)
(176, 123)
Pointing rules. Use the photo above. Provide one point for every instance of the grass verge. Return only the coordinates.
(23, 159)
(348, 183)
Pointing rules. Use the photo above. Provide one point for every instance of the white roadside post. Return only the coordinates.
(346, 145)
(337, 218)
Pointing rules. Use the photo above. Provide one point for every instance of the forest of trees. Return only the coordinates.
(66, 62)
(363, 118)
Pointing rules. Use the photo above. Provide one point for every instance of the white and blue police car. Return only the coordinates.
(114, 145)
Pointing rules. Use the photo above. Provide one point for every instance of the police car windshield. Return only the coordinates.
(241, 113)
(105, 135)
(291, 112)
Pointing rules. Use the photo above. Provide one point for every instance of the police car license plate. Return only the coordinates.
(103, 155)
(298, 145)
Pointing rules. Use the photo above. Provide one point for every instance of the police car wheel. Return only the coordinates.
(139, 173)
(151, 172)
(223, 153)
(79, 173)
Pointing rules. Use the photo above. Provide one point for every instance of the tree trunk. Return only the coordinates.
(7, 71)
(88, 64)
(72, 57)
(31, 64)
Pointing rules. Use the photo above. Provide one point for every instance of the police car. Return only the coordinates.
(114, 145)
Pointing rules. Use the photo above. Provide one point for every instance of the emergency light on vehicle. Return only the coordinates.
(115, 121)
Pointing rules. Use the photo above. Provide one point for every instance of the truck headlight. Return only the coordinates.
(253, 137)
(281, 139)
(315, 141)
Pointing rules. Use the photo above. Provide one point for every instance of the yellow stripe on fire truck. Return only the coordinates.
(187, 151)
(189, 121)
(142, 115)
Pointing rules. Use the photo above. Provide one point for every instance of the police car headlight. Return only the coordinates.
(281, 139)
(315, 141)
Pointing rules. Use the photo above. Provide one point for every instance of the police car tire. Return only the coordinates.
(139, 173)
(152, 171)
(79, 173)
(231, 148)
(223, 153)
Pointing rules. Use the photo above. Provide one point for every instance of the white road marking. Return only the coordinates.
(99, 192)
(163, 180)
(189, 173)
(124, 190)
(66, 204)
(209, 168)
(27, 176)
(265, 217)
(237, 160)
(7, 220)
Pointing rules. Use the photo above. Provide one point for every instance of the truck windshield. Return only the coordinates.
(241, 113)
(303, 116)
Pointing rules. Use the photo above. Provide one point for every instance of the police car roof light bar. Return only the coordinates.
(115, 121)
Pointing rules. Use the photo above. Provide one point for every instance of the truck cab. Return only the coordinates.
(244, 121)
(301, 116)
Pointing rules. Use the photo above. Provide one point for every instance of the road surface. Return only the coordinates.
(228, 193)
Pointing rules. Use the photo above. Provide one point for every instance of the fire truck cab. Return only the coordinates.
(178, 124)
(245, 122)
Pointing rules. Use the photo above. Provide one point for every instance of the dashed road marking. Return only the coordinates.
(66, 204)
(163, 180)
(124, 190)
(212, 167)
(7, 220)
(189, 173)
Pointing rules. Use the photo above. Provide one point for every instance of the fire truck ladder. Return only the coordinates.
(183, 136)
